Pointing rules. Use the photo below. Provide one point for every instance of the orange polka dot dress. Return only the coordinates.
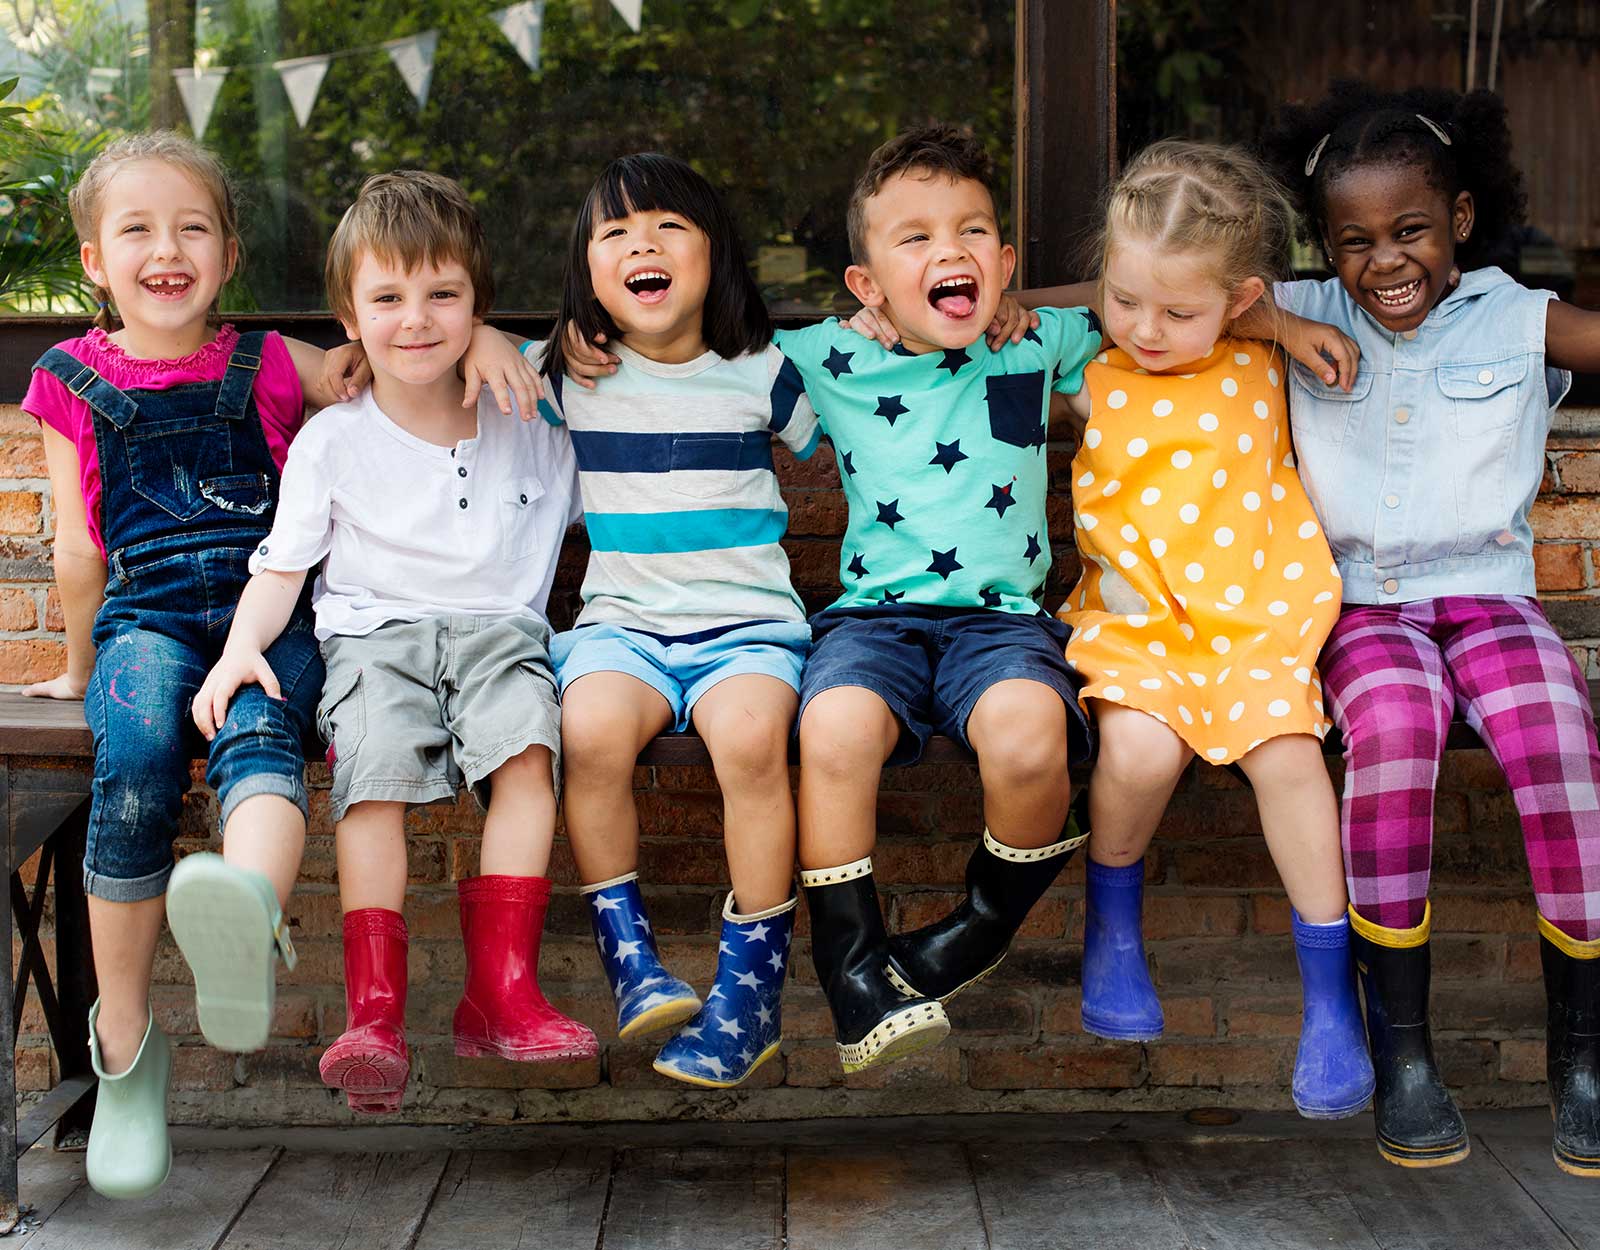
(1208, 587)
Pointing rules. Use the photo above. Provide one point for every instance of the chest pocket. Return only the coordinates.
(1016, 409)
(1321, 413)
(1484, 398)
(519, 517)
(171, 460)
(704, 465)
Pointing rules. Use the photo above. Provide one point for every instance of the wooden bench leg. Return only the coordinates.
(75, 979)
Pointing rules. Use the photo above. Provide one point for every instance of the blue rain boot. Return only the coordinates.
(649, 998)
(1333, 1075)
(1119, 999)
(740, 1027)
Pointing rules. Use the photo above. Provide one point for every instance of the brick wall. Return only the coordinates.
(1216, 919)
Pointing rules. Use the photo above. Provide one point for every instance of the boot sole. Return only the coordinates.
(907, 990)
(224, 929)
(1431, 1157)
(1114, 1034)
(659, 1018)
(1575, 1165)
(897, 1037)
(705, 1082)
(388, 1076)
(1333, 1113)
(534, 1054)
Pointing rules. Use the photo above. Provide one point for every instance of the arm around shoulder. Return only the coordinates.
(1572, 337)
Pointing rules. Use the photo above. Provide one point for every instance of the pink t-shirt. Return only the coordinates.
(279, 402)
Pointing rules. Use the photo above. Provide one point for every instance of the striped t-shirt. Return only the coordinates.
(679, 493)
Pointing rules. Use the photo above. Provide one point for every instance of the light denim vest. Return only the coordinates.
(1424, 474)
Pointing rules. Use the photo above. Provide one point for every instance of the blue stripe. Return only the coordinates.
(787, 388)
(549, 413)
(656, 533)
(805, 452)
(611, 451)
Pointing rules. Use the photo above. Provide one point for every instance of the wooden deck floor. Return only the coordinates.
(1154, 1182)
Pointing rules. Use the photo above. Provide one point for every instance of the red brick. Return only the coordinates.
(201, 1068)
(1560, 566)
(1192, 915)
(440, 1067)
(818, 473)
(1483, 913)
(1523, 960)
(34, 1069)
(1263, 1017)
(31, 659)
(14, 421)
(1580, 472)
(1570, 516)
(817, 513)
(53, 618)
(21, 512)
(1221, 1063)
(23, 457)
(1057, 1065)
(1269, 913)
(17, 609)
(1522, 1059)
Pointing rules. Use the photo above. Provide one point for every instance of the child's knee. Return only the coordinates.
(531, 770)
(1139, 751)
(758, 751)
(846, 731)
(597, 739)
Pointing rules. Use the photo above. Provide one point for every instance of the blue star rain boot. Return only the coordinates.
(1119, 999)
(740, 1027)
(649, 998)
(1333, 1075)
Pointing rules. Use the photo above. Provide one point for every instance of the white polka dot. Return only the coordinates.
(1306, 627)
(1090, 634)
(1137, 447)
(1251, 501)
(1113, 692)
(1111, 672)
(1288, 661)
(1138, 620)
(1162, 408)
(1199, 679)
(1103, 357)
(1181, 460)
(1259, 560)
(1151, 683)
(1221, 645)
(1323, 596)
(1194, 572)
(1234, 594)
(1187, 630)
(1278, 707)
(1236, 711)
(1293, 571)
(1116, 399)
(1223, 537)
(1261, 674)
(1208, 421)
(1111, 488)
(1217, 753)
(1158, 547)
(1149, 496)
(1087, 520)
(1127, 559)
(1177, 679)
(1223, 607)
(1277, 607)
(1278, 492)
(1241, 358)
(1083, 597)
(1158, 648)
(1288, 461)
(1223, 675)
(1260, 409)
(1159, 717)
(1086, 480)
(1333, 568)
(1091, 438)
(1317, 703)
(1245, 443)
(1129, 534)
(1303, 675)
(1185, 715)
(1269, 527)
(1205, 715)
(1189, 514)
(1308, 529)
(1272, 377)
(1230, 387)
(1219, 479)
(1183, 603)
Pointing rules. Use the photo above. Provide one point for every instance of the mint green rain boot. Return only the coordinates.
(228, 924)
(129, 1151)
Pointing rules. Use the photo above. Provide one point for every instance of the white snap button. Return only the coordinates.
(1408, 335)
(1402, 415)
(1390, 586)
(1393, 501)
(1486, 376)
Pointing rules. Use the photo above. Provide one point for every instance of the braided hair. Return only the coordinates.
(1461, 142)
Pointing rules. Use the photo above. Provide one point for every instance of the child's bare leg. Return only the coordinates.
(124, 939)
(370, 847)
(521, 822)
(1019, 730)
(267, 834)
(846, 734)
(745, 722)
(606, 720)
(1300, 818)
(1140, 763)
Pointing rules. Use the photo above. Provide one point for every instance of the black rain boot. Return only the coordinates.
(871, 1022)
(1572, 1047)
(1003, 883)
(1418, 1123)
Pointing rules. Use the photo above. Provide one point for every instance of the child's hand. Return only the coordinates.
(65, 686)
(588, 361)
(237, 667)
(1011, 322)
(1327, 351)
(493, 360)
(345, 373)
(869, 323)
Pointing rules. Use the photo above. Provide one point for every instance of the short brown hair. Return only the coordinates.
(409, 217)
(952, 151)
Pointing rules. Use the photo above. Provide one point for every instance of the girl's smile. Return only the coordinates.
(650, 271)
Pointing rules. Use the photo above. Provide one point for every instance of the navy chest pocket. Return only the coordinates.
(169, 460)
(1016, 409)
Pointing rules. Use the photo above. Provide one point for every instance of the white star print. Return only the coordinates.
(749, 980)
(713, 1064)
(644, 923)
(692, 1030)
(625, 949)
(603, 902)
(724, 949)
(745, 1056)
(757, 934)
(776, 961)
(730, 1027)
(716, 992)
(764, 1014)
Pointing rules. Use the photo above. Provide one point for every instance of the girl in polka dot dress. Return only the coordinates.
(1207, 591)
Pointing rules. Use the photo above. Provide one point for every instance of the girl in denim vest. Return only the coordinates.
(1423, 475)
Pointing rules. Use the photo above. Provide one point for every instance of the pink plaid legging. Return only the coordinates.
(1394, 677)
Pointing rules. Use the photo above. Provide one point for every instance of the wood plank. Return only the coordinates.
(1021, 1195)
(696, 1197)
(504, 1199)
(1571, 1202)
(47, 1178)
(340, 1202)
(850, 1199)
(1440, 1208)
(1265, 1195)
(204, 1195)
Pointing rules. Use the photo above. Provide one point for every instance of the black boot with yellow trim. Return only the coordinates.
(1572, 1047)
(872, 1023)
(1418, 1123)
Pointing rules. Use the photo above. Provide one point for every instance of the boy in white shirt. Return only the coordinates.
(437, 529)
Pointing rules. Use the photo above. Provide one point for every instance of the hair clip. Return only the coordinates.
(1316, 154)
(1438, 130)
(102, 303)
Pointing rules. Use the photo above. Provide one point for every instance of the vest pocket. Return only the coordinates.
(168, 461)
(1484, 397)
(1016, 409)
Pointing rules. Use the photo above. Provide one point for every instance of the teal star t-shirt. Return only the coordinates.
(942, 459)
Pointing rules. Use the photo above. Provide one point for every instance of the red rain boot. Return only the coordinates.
(503, 1012)
(370, 1061)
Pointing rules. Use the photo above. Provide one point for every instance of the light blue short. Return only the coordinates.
(683, 670)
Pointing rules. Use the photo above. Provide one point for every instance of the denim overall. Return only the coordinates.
(188, 491)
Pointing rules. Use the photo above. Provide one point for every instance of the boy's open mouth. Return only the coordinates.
(955, 297)
(648, 285)
(1398, 298)
(168, 285)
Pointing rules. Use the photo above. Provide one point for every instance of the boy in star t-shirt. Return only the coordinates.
(941, 450)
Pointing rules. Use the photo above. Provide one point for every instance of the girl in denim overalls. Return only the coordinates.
(1423, 476)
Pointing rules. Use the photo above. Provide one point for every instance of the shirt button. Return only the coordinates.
(461, 472)
(1408, 335)
(462, 502)
(1393, 501)
(1402, 415)
(1390, 586)
(1485, 376)
(522, 499)
(262, 548)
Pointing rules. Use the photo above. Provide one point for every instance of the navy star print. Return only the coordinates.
(944, 563)
(857, 567)
(991, 597)
(890, 406)
(846, 465)
(1032, 335)
(954, 358)
(1033, 549)
(1001, 499)
(837, 362)
(948, 455)
(889, 513)
(893, 596)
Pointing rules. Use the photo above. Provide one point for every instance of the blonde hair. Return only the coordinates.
(87, 197)
(1205, 199)
(409, 216)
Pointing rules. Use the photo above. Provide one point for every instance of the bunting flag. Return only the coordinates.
(103, 79)
(523, 25)
(632, 12)
(198, 89)
(302, 79)
(413, 57)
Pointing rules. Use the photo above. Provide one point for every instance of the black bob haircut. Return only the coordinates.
(736, 320)
(1366, 126)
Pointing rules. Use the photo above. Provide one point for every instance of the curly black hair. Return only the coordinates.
(1365, 126)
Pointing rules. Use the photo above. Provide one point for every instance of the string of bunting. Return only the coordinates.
(522, 24)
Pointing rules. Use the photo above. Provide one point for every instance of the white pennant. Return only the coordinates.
(302, 79)
(632, 11)
(103, 79)
(523, 25)
(413, 57)
(198, 89)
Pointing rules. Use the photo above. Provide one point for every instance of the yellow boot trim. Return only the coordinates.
(1394, 939)
(1567, 945)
